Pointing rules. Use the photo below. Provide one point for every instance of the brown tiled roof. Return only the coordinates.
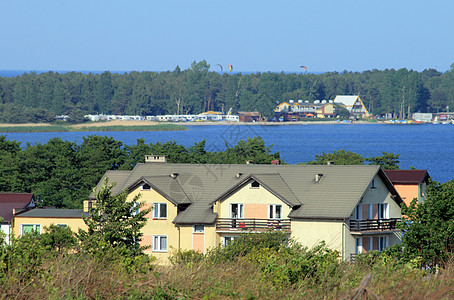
(407, 176)
(10, 201)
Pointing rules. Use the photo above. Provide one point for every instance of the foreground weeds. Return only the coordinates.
(269, 267)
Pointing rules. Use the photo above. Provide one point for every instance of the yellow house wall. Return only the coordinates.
(178, 237)
(73, 223)
(312, 232)
(256, 199)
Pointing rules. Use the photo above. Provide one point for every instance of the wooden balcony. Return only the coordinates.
(373, 224)
(257, 225)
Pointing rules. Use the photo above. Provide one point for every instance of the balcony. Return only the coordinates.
(257, 225)
(373, 224)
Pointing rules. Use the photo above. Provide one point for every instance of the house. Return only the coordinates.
(10, 205)
(353, 104)
(249, 116)
(293, 111)
(37, 218)
(352, 208)
(410, 184)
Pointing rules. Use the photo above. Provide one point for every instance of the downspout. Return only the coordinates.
(179, 233)
(343, 240)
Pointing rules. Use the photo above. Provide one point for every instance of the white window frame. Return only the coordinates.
(382, 243)
(157, 210)
(373, 184)
(157, 240)
(272, 211)
(135, 209)
(359, 245)
(34, 228)
(240, 211)
(358, 213)
(198, 230)
(383, 211)
(144, 189)
(370, 212)
(230, 237)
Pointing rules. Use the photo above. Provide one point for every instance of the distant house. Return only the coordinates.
(249, 116)
(352, 208)
(410, 184)
(10, 205)
(294, 111)
(353, 104)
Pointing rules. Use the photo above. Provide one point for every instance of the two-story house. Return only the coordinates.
(410, 184)
(352, 208)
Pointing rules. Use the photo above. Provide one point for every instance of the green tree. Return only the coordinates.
(387, 161)
(429, 226)
(340, 157)
(116, 222)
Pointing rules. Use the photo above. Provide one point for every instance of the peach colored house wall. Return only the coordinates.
(407, 192)
(258, 211)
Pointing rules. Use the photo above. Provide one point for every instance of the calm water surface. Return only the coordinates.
(428, 147)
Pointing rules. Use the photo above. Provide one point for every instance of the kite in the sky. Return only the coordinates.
(230, 68)
(304, 67)
(220, 67)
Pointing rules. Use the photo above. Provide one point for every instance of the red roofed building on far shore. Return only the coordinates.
(409, 184)
(10, 204)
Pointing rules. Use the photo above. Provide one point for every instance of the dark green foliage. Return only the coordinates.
(40, 97)
(387, 161)
(429, 226)
(340, 157)
(58, 238)
(246, 243)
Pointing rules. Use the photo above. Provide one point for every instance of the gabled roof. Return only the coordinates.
(199, 186)
(14, 201)
(407, 176)
(346, 100)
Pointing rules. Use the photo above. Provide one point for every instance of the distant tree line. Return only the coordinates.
(36, 97)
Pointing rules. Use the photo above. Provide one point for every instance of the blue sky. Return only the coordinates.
(324, 35)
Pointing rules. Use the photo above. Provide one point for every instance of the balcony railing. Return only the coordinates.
(252, 224)
(373, 224)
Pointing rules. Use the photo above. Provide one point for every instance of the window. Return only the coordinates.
(255, 184)
(373, 184)
(160, 243)
(382, 243)
(145, 187)
(159, 210)
(358, 212)
(199, 228)
(383, 211)
(236, 211)
(275, 211)
(358, 245)
(227, 240)
(29, 228)
(135, 209)
(62, 225)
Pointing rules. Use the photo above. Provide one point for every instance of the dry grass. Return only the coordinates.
(82, 277)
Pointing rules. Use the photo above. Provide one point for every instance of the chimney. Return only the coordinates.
(155, 159)
(174, 175)
(318, 177)
(249, 162)
(238, 175)
(330, 163)
(275, 162)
